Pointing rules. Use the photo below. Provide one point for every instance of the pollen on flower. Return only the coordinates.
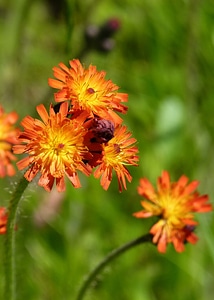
(174, 204)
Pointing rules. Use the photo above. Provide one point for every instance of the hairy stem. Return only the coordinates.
(9, 246)
(108, 259)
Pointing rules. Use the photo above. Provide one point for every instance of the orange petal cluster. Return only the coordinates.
(54, 146)
(88, 90)
(116, 154)
(8, 137)
(82, 132)
(174, 204)
(3, 220)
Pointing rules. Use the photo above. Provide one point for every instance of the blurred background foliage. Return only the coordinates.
(160, 52)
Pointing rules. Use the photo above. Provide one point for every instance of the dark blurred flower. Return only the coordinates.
(174, 204)
(101, 38)
(56, 8)
(110, 27)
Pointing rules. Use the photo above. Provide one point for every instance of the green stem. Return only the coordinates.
(111, 256)
(9, 247)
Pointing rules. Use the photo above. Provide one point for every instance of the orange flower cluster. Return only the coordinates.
(81, 132)
(174, 204)
(3, 220)
(8, 137)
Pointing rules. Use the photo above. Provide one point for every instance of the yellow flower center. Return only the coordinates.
(90, 92)
(59, 147)
(4, 130)
(5, 146)
(173, 208)
(88, 96)
(113, 155)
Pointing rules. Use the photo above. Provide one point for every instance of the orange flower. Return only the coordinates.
(3, 220)
(54, 147)
(8, 137)
(88, 90)
(116, 154)
(174, 204)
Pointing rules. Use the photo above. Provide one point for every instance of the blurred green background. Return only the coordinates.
(163, 57)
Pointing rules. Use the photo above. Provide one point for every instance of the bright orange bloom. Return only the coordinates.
(3, 220)
(54, 147)
(8, 137)
(88, 90)
(174, 204)
(116, 154)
